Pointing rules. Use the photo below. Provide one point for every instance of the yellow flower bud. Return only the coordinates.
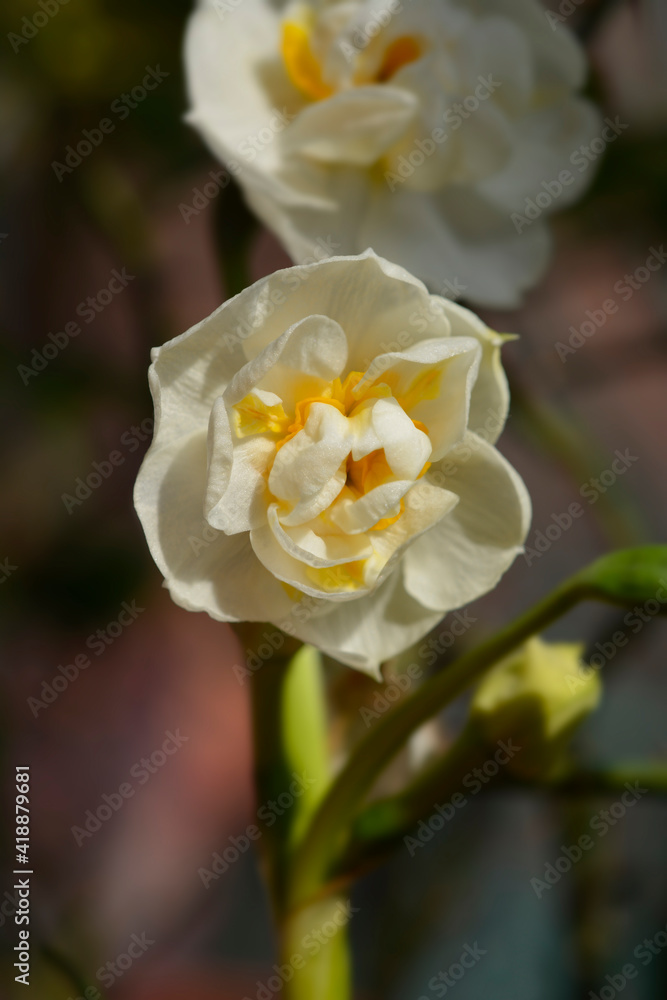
(537, 696)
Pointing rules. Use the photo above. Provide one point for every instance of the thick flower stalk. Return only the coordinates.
(323, 459)
(416, 128)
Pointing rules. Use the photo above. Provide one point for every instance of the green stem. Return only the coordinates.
(289, 725)
(605, 780)
(236, 230)
(382, 824)
(326, 836)
(315, 949)
(272, 772)
(385, 822)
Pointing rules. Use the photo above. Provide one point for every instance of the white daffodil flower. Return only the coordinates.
(323, 459)
(440, 134)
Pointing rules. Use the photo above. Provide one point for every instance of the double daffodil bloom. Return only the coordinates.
(413, 127)
(323, 459)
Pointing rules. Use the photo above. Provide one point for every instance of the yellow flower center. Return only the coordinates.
(305, 70)
(302, 67)
(401, 52)
(253, 415)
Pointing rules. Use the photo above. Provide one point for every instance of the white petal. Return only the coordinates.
(559, 58)
(317, 346)
(426, 505)
(312, 458)
(290, 567)
(306, 508)
(485, 144)
(447, 369)
(406, 449)
(365, 295)
(499, 48)
(237, 54)
(458, 236)
(236, 495)
(489, 402)
(544, 144)
(466, 553)
(363, 436)
(308, 545)
(220, 454)
(310, 353)
(354, 126)
(354, 516)
(205, 570)
(365, 632)
(189, 372)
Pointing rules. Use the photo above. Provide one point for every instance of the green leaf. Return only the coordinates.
(304, 725)
(629, 576)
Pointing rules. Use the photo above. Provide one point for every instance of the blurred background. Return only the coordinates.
(126, 245)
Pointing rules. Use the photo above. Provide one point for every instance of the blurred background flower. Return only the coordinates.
(417, 130)
(147, 201)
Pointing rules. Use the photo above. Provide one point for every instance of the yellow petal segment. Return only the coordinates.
(401, 52)
(302, 67)
(370, 471)
(334, 579)
(425, 386)
(254, 415)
